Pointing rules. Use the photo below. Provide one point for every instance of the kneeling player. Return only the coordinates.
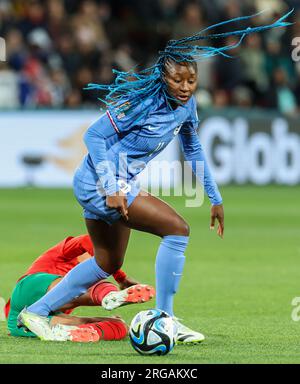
(48, 270)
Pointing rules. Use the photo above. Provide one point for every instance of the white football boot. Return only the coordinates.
(39, 325)
(186, 335)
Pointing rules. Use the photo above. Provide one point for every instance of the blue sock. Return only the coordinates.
(75, 283)
(168, 270)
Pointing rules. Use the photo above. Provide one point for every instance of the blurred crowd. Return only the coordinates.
(55, 47)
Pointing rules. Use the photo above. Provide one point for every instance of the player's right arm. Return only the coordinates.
(94, 139)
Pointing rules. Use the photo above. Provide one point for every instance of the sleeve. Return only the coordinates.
(86, 244)
(126, 117)
(120, 120)
(76, 246)
(95, 141)
(193, 153)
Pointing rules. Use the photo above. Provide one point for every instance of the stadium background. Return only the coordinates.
(249, 111)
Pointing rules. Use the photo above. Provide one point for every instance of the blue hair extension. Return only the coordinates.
(180, 49)
(139, 87)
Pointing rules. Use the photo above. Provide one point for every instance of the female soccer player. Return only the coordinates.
(48, 270)
(145, 112)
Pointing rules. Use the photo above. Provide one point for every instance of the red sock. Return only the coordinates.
(109, 329)
(100, 290)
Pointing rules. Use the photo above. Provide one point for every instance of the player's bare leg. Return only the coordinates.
(149, 214)
(110, 243)
(146, 213)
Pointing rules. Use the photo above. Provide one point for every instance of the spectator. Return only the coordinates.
(229, 73)
(242, 97)
(89, 31)
(280, 95)
(220, 98)
(123, 57)
(73, 99)
(203, 99)
(55, 47)
(60, 87)
(84, 76)
(37, 84)
(6, 17)
(254, 64)
(16, 51)
(34, 17)
(66, 48)
(192, 21)
(9, 97)
(276, 58)
(57, 23)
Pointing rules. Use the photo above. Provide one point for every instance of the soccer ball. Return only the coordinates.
(152, 332)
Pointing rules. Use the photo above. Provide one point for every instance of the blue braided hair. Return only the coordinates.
(138, 87)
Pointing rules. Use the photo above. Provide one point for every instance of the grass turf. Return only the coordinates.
(237, 291)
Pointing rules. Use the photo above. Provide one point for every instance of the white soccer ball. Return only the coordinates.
(152, 332)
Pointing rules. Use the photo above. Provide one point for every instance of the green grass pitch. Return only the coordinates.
(237, 291)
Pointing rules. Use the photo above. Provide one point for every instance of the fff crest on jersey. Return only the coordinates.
(122, 110)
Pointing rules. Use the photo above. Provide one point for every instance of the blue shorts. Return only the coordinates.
(94, 202)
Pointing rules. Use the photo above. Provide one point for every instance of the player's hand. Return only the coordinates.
(127, 282)
(119, 202)
(217, 212)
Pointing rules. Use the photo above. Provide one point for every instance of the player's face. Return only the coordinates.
(181, 80)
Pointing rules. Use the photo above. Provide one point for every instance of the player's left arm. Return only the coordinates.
(194, 154)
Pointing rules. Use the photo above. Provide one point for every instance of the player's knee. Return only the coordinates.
(108, 262)
(180, 227)
(109, 265)
(186, 229)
